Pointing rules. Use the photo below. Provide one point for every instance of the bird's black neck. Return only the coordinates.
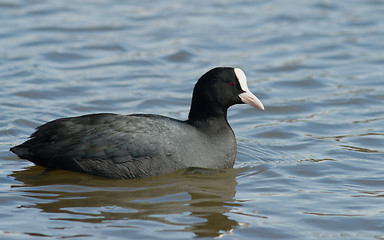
(206, 113)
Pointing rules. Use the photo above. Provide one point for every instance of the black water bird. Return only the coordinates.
(141, 145)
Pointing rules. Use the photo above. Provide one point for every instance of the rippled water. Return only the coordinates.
(309, 167)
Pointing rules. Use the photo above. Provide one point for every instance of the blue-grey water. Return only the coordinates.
(311, 166)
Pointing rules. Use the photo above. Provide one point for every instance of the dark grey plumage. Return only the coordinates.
(140, 145)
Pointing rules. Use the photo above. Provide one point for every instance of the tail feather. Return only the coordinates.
(22, 152)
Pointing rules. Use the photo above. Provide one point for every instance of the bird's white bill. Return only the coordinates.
(247, 97)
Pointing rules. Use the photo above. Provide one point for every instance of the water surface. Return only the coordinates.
(309, 167)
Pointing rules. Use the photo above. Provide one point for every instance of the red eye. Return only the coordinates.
(230, 83)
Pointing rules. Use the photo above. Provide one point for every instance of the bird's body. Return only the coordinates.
(141, 145)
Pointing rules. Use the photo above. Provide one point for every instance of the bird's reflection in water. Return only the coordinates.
(192, 200)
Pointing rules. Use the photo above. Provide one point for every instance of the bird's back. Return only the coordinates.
(125, 146)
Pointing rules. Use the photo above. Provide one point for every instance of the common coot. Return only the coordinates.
(141, 145)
